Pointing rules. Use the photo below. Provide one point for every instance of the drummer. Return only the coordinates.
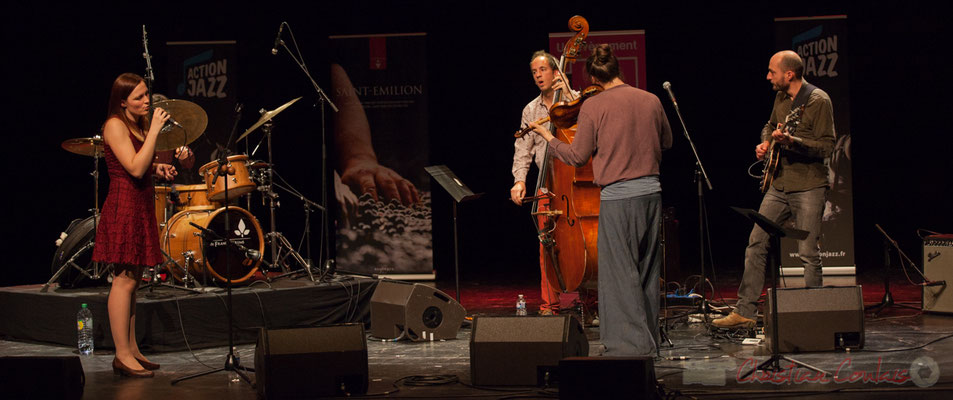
(183, 155)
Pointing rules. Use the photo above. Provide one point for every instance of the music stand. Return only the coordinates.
(460, 193)
(776, 232)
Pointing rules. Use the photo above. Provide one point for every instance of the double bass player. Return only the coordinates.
(529, 148)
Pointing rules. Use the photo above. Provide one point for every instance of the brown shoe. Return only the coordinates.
(734, 321)
(148, 365)
(121, 369)
(547, 311)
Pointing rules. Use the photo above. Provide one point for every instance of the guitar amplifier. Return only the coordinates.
(938, 266)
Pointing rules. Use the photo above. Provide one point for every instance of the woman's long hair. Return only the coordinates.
(122, 87)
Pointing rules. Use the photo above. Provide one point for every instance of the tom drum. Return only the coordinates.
(239, 181)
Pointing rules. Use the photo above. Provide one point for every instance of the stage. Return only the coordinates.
(172, 319)
(906, 351)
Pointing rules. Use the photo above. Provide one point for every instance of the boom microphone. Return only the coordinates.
(274, 49)
(668, 88)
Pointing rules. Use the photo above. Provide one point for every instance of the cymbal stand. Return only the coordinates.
(281, 248)
(96, 271)
(308, 207)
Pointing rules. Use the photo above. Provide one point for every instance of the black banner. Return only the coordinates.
(205, 73)
(822, 44)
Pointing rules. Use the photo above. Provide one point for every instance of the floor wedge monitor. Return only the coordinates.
(414, 311)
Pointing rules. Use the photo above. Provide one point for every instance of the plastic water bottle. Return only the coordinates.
(84, 329)
(521, 306)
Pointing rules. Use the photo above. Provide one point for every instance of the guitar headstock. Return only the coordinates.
(793, 119)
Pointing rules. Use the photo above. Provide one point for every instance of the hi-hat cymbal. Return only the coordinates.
(190, 123)
(267, 116)
(92, 146)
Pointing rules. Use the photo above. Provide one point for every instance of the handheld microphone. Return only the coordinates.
(274, 48)
(169, 124)
(668, 88)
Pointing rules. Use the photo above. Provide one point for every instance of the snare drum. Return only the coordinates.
(184, 244)
(194, 197)
(239, 181)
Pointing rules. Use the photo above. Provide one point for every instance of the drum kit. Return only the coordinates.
(187, 213)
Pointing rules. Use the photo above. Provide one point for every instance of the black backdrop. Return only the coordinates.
(60, 61)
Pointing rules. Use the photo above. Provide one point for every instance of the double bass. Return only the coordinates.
(568, 229)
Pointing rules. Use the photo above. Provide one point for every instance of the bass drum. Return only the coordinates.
(78, 246)
(186, 246)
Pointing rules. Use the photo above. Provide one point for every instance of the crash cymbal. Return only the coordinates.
(92, 146)
(267, 116)
(190, 122)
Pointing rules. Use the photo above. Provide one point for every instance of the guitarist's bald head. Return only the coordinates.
(790, 61)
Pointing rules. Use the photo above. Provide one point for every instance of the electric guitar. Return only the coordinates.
(773, 156)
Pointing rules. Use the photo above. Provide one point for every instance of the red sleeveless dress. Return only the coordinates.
(127, 233)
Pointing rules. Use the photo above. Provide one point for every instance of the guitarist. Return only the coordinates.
(799, 190)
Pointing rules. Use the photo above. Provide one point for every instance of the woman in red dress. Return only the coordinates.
(127, 234)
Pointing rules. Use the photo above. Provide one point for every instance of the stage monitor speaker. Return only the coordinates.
(415, 311)
(607, 377)
(938, 266)
(817, 319)
(511, 350)
(42, 377)
(311, 362)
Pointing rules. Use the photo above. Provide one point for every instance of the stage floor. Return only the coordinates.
(907, 353)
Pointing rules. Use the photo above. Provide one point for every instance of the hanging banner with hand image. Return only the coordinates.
(380, 149)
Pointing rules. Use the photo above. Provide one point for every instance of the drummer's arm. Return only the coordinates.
(137, 164)
(185, 156)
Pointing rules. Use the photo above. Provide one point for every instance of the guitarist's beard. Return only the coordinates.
(780, 86)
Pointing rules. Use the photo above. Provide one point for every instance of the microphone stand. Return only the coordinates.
(322, 99)
(701, 177)
(231, 361)
(887, 300)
